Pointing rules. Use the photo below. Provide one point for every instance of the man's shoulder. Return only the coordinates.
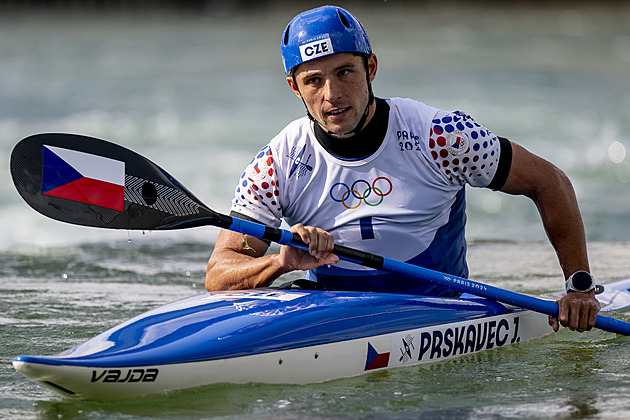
(297, 131)
(297, 127)
(410, 115)
(408, 103)
(411, 109)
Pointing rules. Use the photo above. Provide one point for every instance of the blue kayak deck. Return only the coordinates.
(221, 325)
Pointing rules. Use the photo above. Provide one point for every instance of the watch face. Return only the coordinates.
(582, 280)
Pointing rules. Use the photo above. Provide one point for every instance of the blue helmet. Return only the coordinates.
(320, 32)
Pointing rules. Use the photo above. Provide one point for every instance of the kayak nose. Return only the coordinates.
(27, 366)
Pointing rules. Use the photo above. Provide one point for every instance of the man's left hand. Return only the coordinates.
(577, 311)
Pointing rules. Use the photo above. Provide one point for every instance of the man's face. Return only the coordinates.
(334, 89)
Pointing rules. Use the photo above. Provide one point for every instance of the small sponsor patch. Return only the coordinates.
(406, 349)
(315, 49)
(297, 163)
(457, 143)
(261, 166)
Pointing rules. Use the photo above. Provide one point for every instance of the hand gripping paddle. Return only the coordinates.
(91, 182)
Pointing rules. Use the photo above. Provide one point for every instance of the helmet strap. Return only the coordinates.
(365, 115)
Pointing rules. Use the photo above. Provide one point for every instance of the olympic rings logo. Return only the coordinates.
(348, 195)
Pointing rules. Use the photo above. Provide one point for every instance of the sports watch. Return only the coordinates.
(580, 281)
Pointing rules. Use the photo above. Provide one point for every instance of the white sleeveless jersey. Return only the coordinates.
(392, 203)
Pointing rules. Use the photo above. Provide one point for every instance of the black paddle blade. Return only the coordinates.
(91, 182)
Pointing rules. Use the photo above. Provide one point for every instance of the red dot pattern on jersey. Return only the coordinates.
(259, 185)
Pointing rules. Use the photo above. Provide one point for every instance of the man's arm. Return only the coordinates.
(239, 261)
(553, 194)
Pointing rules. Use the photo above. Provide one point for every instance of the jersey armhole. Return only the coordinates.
(503, 168)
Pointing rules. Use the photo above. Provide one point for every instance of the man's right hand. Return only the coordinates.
(320, 245)
(239, 261)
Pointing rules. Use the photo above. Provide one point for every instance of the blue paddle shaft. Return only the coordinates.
(494, 293)
(285, 237)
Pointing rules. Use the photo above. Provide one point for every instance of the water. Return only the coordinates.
(199, 94)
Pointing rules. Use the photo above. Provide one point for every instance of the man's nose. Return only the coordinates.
(331, 90)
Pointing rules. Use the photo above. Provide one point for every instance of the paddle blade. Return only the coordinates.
(91, 182)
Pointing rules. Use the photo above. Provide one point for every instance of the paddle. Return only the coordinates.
(91, 182)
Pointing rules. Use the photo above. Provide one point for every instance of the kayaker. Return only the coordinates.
(386, 176)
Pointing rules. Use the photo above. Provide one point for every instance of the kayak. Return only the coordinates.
(262, 335)
(284, 336)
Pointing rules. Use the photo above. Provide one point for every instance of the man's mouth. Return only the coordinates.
(338, 111)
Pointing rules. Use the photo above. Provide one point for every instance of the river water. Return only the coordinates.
(199, 94)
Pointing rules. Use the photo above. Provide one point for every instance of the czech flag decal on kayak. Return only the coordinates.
(375, 360)
(83, 177)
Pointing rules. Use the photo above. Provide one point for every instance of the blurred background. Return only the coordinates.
(197, 86)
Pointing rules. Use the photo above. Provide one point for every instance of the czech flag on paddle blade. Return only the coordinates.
(375, 359)
(83, 177)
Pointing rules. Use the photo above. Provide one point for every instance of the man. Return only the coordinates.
(384, 176)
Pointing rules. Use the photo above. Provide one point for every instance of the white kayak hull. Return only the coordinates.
(78, 373)
(296, 366)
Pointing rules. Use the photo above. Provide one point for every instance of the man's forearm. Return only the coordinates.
(236, 272)
(563, 224)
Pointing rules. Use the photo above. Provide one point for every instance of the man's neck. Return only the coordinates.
(371, 110)
(360, 145)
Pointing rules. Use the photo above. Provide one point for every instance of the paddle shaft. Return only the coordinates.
(285, 237)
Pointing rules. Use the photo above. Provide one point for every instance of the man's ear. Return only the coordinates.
(372, 66)
(293, 86)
